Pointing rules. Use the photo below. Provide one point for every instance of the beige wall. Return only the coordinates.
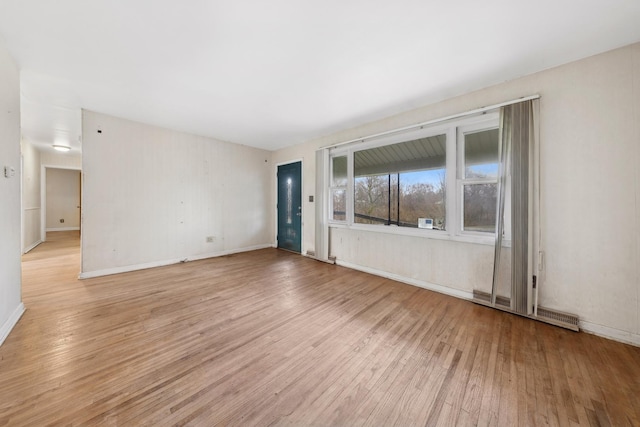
(10, 277)
(63, 199)
(590, 184)
(62, 160)
(152, 196)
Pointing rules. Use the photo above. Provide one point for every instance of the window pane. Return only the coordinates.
(399, 183)
(480, 207)
(339, 205)
(422, 196)
(481, 154)
(339, 171)
(371, 201)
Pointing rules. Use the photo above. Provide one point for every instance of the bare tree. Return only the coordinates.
(371, 197)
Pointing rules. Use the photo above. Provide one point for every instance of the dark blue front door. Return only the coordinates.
(290, 206)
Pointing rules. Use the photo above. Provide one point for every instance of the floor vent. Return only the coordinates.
(559, 318)
(554, 317)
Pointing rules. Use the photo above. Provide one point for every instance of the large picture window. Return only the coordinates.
(400, 183)
(434, 180)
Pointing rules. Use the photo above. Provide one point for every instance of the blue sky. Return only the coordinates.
(433, 176)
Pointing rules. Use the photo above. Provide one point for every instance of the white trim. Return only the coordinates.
(128, 268)
(452, 208)
(414, 282)
(32, 247)
(588, 327)
(302, 201)
(11, 322)
(317, 258)
(435, 121)
(483, 123)
(610, 333)
(478, 238)
(63, 229)
(22, 209)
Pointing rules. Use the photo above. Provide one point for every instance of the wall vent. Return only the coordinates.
(553, 317)
(565, 320)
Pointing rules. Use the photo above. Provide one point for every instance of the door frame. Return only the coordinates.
(43, 196)
(275, 205)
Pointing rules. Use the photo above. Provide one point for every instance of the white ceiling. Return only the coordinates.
(272, 74)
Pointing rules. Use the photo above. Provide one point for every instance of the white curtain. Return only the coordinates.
(322, 183)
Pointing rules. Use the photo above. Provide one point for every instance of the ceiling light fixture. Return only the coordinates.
(61, 147)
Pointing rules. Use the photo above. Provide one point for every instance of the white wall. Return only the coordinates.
(63, 199)
(10, 275)
(30, 196)
(590, 184)
(68, 160)
(151, 196)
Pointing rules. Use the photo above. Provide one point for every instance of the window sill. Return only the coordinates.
(488, 240)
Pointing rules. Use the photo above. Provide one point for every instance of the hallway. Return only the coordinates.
(50, 271)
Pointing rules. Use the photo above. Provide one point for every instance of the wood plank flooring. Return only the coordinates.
(273, 338)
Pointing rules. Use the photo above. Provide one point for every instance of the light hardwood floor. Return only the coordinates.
(272, 338)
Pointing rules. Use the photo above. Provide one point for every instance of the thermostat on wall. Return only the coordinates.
(425, 223)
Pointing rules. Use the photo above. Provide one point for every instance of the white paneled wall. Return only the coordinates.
(32, 222)
(30, 196)
(590, 185)
(443, 265)
(11, 307)
(152, 196)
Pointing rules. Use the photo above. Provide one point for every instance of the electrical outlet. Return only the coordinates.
(210, 239)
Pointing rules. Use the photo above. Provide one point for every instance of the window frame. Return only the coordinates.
(490, 123)
(333, 188)
(454, 185)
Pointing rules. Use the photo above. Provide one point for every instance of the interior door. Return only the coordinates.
(290, 206)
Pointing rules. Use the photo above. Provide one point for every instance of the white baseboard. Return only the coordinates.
(610, 333)
(32, 247)
(419, 283)
(127, 268)
(11, 322)
(588, 327)
(63, 229)
(328, 261)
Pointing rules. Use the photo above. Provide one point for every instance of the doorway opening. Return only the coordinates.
(61, 193)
